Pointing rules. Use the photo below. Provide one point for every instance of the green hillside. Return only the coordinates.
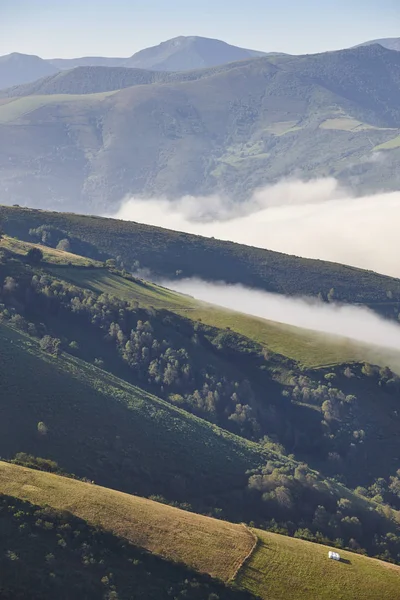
(309, 348)
(174, 255)
(89, 80)
(290, 569)
(208, 545)
(101, 428)
(265, 564)
(49, 553)
(316, 115)
(115, 380)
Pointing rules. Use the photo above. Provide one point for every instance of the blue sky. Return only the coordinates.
(66, 28)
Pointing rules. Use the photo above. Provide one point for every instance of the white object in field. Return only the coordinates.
(334, 555)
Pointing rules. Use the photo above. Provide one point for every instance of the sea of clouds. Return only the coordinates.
(313, 219)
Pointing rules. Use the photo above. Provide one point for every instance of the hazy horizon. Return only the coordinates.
(89, 29)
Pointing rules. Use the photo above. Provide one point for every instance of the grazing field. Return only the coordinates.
(105, 282)
(207, 545)
(277, 567)
(50, 255)
(19, 107)
(309, 348)
(283, 568)
(389, 145)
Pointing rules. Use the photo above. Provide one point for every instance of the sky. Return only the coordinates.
(72, 28)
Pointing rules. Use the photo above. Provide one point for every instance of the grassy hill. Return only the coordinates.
(170, 254)
(49, 554)
(206, 545)
(307, 347)
(118, 371)
(278, 567)
(319, 115)
(102, 428)
(291, 569)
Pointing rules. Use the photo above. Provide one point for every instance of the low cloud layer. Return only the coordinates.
(355, 323)
(315, 219)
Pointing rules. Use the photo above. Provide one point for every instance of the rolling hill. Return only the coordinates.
(271, 117)
(16, 69)
(117, 380)
(49, 553)
(266, 564)
(102, 428)
(178, 54)
(169, 254)
(187, 53)
(97, 79)
(64, 64)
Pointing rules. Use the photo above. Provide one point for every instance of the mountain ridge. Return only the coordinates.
(225, 130)
(177, 54)
(17, 69)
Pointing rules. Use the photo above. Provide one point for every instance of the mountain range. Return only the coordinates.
(178, 54)
(85, 138)
(154, 444)
(182, 53)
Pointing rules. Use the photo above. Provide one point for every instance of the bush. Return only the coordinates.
(34, 256)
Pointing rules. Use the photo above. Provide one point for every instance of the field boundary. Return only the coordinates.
(256, 541)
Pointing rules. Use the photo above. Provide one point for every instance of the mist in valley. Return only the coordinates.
(359, 324)
(313, 219)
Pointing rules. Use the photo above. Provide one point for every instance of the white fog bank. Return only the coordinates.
(356, 323)
(314, 219)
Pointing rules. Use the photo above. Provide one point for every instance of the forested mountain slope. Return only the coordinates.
(119, 387)
(170, 255)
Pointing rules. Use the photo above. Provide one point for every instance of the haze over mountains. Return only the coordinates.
(390, 43)
(229, 129)
(219, 175)
(16, 69)
(179, 54)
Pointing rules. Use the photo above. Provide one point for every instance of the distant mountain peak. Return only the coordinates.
(185, 53)
(18, 69)
(388, 43)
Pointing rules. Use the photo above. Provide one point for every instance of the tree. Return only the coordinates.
(51, 345)
(64, 245)
(42, 428)
(331, 295)
(34, 256)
